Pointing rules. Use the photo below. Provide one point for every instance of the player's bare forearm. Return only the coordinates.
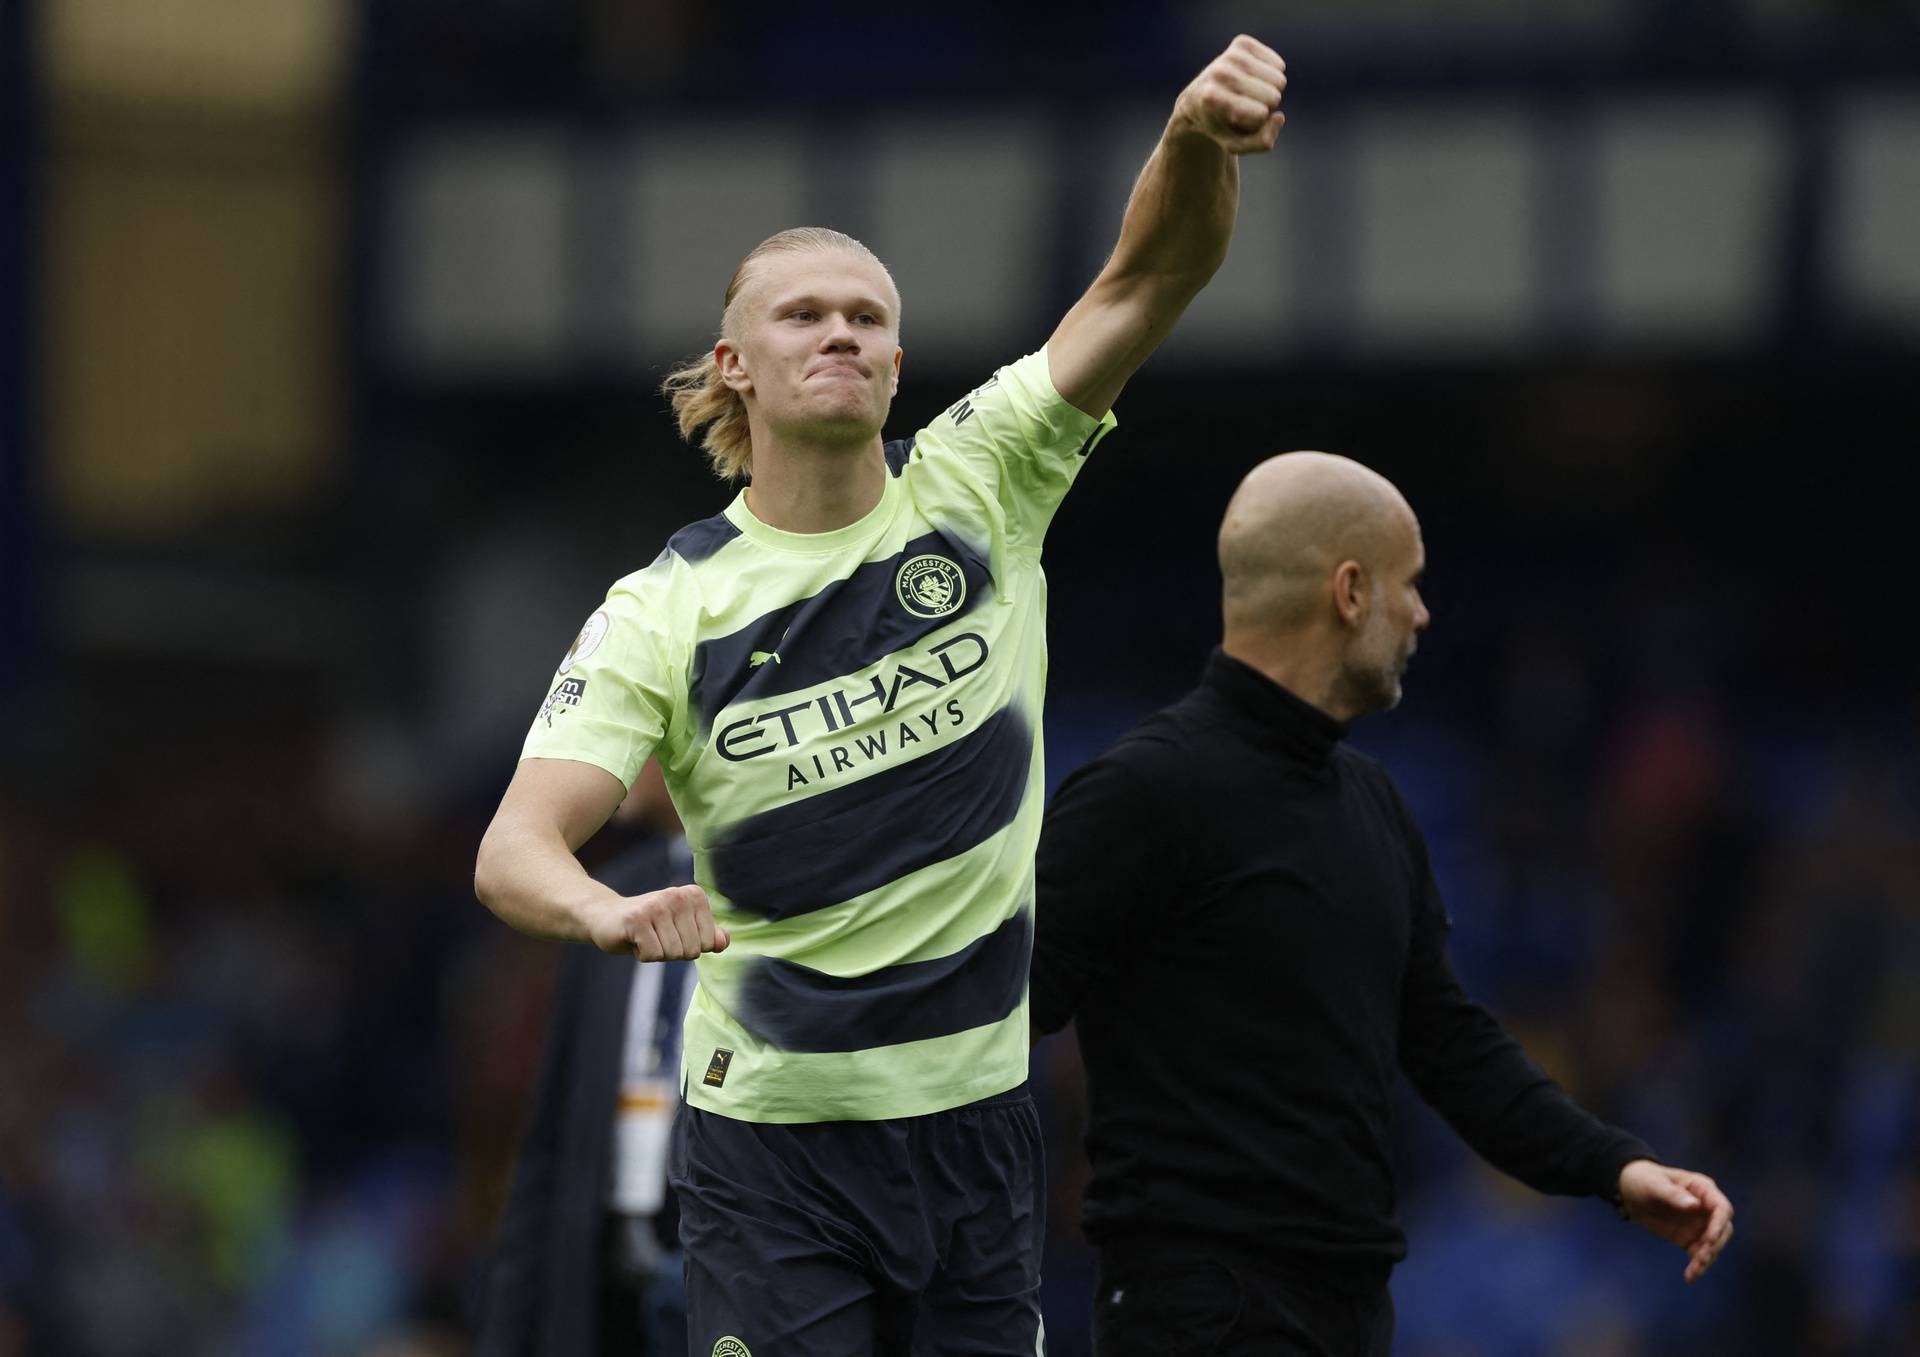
(1177, 226)
(526, 871)
(526, 874)
(1174, 237)
(1179, 217)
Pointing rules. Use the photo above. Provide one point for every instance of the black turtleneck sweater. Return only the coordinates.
(1239, 912)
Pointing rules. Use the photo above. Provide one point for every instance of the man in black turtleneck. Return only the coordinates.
(1231, 858)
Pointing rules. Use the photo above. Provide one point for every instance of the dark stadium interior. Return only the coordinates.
(267, 654)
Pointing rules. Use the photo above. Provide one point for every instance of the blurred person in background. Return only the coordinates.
(1240, 913)
(843, 676)
(588, 1261)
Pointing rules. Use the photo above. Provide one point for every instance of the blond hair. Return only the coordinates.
(704, 406)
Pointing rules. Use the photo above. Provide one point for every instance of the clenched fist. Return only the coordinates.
(1236, 99)
(675, 924)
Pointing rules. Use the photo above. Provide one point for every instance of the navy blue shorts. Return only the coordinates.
(916, 1235)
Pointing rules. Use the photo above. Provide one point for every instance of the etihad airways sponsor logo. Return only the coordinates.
(836, 709)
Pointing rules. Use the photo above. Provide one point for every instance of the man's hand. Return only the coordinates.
(675, 924)
(1680, 1206)
(1235, 101)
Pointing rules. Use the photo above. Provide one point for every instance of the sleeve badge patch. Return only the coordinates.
(587, 641)
(568, 694)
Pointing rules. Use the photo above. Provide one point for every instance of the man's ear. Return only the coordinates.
(1351, 594)
(732, 365)
(898, 354)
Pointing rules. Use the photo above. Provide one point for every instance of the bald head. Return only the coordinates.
(1320, 561)
(1293, 520)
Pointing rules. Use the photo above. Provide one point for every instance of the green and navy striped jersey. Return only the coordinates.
(849, 723)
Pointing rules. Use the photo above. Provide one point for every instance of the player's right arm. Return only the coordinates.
(527, 873)
(609, 709)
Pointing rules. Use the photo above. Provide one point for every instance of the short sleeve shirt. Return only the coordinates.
(849, 723)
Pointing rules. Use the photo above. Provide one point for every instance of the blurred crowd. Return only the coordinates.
(264, 1058)
(241, 1045)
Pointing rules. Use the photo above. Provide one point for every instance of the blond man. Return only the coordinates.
(842, 675)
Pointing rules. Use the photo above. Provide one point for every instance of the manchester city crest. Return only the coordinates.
(931, 586)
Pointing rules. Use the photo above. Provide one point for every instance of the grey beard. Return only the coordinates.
(1363, 691)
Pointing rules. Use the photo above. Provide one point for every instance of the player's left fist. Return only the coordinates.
(1236, 99)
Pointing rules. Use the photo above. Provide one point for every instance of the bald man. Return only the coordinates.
(1239, 912)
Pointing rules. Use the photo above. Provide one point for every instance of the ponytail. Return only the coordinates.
(701, 401)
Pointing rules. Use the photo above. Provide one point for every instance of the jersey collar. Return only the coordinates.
(860, 532)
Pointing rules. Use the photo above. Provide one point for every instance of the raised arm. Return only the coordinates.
(1177, 225)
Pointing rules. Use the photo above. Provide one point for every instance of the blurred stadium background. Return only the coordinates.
(327, 336)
